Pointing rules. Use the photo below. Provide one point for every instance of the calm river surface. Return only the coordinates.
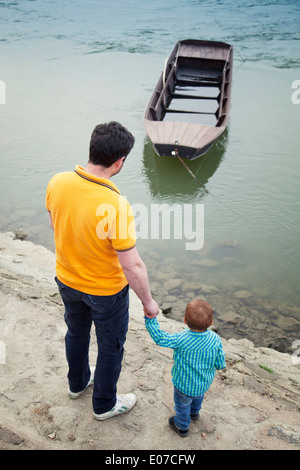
(69, 65)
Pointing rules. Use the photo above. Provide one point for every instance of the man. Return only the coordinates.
(96, 259)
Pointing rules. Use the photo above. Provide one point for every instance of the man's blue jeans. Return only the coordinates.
(185, 406)
(110, 315)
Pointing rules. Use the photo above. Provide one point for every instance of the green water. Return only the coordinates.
(251, 173)
(63, 76)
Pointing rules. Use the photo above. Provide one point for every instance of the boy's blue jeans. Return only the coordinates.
(110, 316)
(185, 406)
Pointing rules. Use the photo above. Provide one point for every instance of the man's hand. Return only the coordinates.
(151, 310)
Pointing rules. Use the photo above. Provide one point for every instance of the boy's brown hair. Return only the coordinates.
(198, 315)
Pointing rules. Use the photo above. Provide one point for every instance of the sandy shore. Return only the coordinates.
(253, 404)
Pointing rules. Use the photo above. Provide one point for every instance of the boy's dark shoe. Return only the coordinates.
(195, 417)
(181, 432)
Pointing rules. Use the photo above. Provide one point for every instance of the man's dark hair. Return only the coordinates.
(109, 142)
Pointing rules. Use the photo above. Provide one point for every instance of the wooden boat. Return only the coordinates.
(189, 108)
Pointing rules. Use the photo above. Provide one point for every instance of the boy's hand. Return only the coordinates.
(151, 309)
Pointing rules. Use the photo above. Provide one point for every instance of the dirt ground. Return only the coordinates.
(254, 404)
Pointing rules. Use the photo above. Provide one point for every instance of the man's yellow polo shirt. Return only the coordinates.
(92, 221)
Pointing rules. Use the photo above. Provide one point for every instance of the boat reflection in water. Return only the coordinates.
(168, 179)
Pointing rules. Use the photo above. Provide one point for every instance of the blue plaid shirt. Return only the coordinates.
(196, 356)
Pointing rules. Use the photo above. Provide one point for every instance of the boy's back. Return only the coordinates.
(197, 355)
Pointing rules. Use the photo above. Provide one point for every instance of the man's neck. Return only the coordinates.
(98, 170)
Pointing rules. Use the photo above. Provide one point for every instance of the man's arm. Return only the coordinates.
(50, 220)
(136, 274)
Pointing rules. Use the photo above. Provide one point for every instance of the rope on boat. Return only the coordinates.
(200, 184)
(190, 171)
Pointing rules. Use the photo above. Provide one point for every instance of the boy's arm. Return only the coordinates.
(160, 337)
(220, 359)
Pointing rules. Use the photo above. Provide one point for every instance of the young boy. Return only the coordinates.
(198, 352)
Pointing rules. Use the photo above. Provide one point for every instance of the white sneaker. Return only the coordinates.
(123, 404)
(90, 382)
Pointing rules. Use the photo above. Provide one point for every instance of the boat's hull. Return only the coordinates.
(190, 153)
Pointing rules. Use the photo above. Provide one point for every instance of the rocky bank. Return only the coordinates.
(254, 404)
